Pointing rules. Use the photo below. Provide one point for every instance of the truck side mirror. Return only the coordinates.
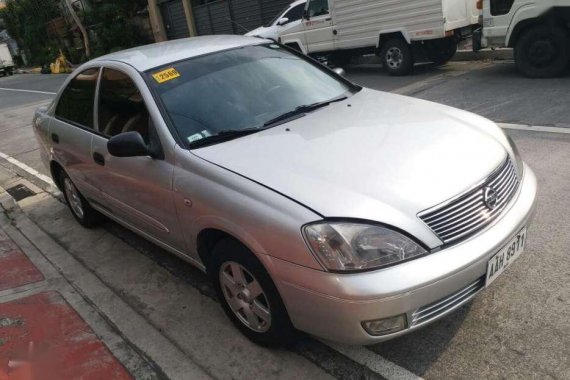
(283, 21)
(306, 14)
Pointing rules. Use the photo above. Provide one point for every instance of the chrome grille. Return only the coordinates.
(470, 212)
(433, 310)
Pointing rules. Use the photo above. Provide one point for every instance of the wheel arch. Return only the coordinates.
(387, 35)
(55, 170)
(558, 16)
(207, 239)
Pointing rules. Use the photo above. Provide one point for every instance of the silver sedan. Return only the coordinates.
(312, 203)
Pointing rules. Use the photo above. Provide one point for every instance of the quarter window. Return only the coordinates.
(121, 106)
(318, 8)
(77, 100)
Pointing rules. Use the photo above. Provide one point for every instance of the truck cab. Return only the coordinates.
(537, 30)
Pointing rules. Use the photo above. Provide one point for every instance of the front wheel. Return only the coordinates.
(248, 295)
(542, 52)
(397, 57)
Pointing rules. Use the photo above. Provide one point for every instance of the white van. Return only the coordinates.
(289, 18)
(402, 32)
(538, 30)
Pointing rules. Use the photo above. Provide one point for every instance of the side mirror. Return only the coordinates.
(283, 21)
(306, 14)
(127, 144)
(340, 71)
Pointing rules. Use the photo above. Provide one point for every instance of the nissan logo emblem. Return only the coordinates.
(491, 198)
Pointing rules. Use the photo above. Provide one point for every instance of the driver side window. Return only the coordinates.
(318, 8)
(121, 106)
(295, 13)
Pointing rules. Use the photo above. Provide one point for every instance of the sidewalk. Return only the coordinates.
(52, 326)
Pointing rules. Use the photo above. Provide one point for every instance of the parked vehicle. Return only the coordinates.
(538, 30)
(401, 33)
(289, 18)
(6, 62)
(311, 202)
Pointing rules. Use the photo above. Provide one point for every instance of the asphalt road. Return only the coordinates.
(517, 328)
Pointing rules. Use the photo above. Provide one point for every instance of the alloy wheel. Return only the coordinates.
(73, 198)
(245, 296)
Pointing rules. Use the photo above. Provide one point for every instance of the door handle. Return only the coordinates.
(99, 159)
(335, 32)
(328, 19)
(55, 138)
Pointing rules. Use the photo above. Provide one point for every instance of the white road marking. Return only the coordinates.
(534, 128)
(32, 91)
(27, 169)
(375, 362)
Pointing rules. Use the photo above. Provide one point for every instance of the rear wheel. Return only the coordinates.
(397, 57)
(542, 51)
(80, 208)
(248, 295)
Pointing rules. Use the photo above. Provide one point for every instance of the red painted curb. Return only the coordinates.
(15, 267)
(43, 338)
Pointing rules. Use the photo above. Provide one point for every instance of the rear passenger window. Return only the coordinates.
(121, 106)
(77, 100)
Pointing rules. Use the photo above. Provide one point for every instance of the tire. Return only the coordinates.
(229, 259)
(441, 51)
(542, 52)
(397, 58)
(78, 205)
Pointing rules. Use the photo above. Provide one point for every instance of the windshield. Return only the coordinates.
(270, 23)
(241, 89)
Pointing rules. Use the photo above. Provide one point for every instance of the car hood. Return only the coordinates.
(258, 32)
(374, 156)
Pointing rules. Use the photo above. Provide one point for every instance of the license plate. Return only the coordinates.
(502, 260)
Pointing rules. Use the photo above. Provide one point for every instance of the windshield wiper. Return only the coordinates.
(225, 135)
(300, 111)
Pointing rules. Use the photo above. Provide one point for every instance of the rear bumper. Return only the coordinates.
(333, 306)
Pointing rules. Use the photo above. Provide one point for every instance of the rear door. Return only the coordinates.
(71, 130)
(138, 190)
(318, 26)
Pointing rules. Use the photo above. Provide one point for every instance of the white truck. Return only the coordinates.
(538, 30)
(401, 32)
(6, 61)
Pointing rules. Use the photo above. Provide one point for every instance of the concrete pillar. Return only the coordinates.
(189, 13)
(156, 21)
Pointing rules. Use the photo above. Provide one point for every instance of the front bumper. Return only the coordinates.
(333, 306)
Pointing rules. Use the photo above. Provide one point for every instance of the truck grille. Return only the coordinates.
(463, 216)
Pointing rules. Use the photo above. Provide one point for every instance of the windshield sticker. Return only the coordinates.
(195, 137)
(166, 75)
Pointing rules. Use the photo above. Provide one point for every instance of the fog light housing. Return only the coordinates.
(385, 326)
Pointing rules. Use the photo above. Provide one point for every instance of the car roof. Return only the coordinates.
(150, 56)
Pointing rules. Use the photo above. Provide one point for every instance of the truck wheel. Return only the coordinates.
(397, 57)
(542, 52)
(248, 295)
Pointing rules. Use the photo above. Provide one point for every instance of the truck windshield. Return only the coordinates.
(501, 7)
(241, 89)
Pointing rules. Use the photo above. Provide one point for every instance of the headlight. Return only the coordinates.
(518, 160)
(342, 246)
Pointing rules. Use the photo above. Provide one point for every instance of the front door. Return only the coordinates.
(318, 26)
(137, 190)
